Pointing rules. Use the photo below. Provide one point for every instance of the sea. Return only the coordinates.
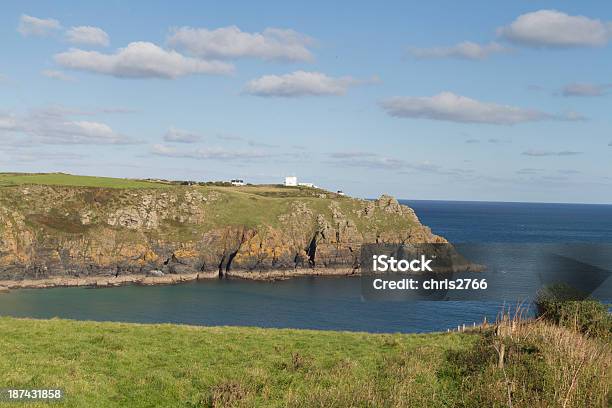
(335, 303)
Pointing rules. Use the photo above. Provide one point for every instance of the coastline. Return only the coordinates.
(168, 279)
(146, 279)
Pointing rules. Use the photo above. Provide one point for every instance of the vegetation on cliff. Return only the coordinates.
(62, 179)
(75, 225)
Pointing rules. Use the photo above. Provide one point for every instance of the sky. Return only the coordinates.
(422, 100)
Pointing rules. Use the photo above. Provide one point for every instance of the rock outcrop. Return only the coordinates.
(49, 232)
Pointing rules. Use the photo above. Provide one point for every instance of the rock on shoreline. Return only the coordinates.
(148, 280)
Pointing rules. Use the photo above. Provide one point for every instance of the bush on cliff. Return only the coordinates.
(532, 364)
(565, 306)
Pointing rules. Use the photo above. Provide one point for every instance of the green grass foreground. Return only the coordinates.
(134, 365)
(164, 365)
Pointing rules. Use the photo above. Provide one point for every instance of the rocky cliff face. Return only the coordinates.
(48, 231)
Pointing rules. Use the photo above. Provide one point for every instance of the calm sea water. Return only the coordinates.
(484, 222)
(328, 303)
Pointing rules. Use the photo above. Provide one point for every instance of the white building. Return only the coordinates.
(237, 182)
(291, 181)
(311, 185)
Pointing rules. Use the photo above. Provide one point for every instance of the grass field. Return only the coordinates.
(64, 179)
(134, 365)
(129, 365)
(61, 179)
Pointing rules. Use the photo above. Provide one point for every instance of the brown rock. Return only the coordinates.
(115, 234)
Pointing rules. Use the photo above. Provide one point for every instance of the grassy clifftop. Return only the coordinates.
(62, 179)
(67, 225)
(247, 205)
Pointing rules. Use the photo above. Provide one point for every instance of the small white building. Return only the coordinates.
(237, 182)
(291, 181)
(311, 185)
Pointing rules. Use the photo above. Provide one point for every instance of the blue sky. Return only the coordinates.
(481, 101)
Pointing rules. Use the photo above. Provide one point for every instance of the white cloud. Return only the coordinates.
(571, 116)
(448, 106)
(584, 89)
(231, 42)
(54, 126)
(494, 140)
(208, 153)
(352, 155)
(529, 171)
(37, 156)
(87, 35)
(140, 60)
(8, 122)
(552, 28)
(163, 150)
(253, 143)
(38, 27)
(229, 137)
(300, 83)
(369, 160)
(375, 161)
(544, 153)
(88, 130)
(464, 50)
(181, 136)
(121, 110)
(54, 74)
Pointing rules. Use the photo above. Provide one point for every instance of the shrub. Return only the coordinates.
(544, 365)
(565, 306)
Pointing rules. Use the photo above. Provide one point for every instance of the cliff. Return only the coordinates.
(51, 231)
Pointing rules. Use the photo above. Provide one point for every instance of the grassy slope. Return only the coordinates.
(250, 206)
(61, 179)
(118, 364)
